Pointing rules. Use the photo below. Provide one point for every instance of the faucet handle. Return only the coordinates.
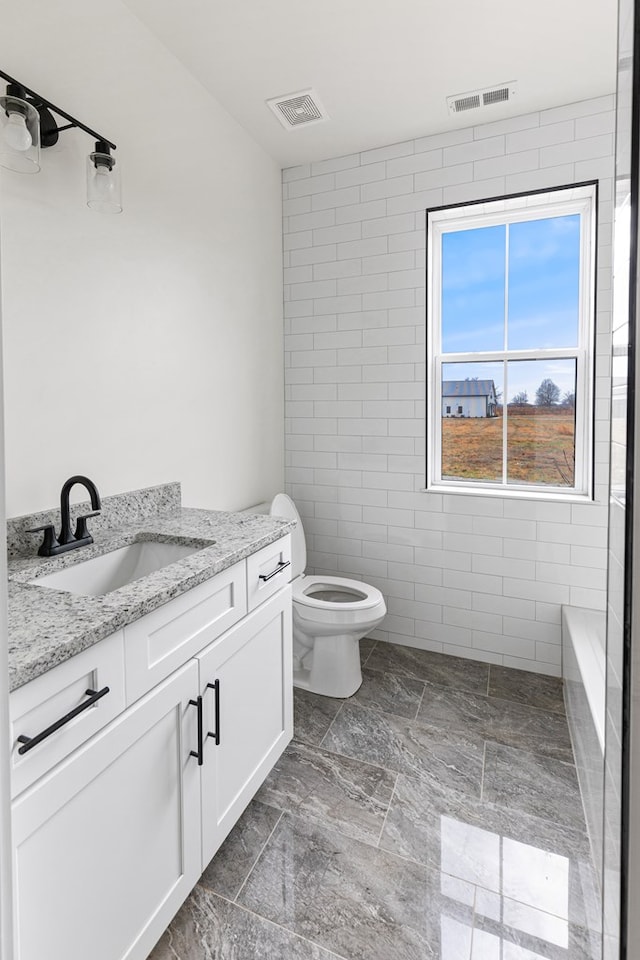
(50, 540)
(81, 532)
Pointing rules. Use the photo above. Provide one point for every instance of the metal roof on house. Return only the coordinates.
(468, 388)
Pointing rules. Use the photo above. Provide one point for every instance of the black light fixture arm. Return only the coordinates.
(42, 101)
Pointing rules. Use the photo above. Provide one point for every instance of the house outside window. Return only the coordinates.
(510, 343)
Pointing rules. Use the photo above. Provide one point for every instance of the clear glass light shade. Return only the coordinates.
(19, 135)
(103, 184)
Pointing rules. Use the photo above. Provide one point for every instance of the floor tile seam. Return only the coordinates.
(419, 707)
(533, 943)
(327, 731)
(411, 676)
(347, 756)
(473, 920)
(384, 821)
(524, 706)
(476, 693)
(530, 706)
(485, 696)
(535, 753)
(333, 827)
(262, 849)
(558, 824)
(476, 739)
(436, 742)
(368, 657)
(344, 756)
(492, 806)
(503, 896)
(485, 733)
(280, 926)
(384, 713)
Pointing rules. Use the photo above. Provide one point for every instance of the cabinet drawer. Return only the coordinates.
(43, 702)
(266, 573)
(164, 639)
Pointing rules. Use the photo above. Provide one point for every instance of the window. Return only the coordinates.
(510, 343)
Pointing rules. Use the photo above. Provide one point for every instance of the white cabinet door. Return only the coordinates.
(107, 845)
(247, 674)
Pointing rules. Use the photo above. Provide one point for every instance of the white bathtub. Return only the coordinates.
(584, 673)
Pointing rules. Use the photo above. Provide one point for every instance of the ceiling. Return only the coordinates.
(383, 68)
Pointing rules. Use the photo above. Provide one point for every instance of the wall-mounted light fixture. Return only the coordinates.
(27, 124)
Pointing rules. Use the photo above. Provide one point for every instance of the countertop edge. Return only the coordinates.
(51, 626)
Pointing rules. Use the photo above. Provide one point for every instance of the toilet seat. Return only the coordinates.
(364, 596)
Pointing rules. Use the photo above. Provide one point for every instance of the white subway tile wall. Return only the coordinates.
(474, 576)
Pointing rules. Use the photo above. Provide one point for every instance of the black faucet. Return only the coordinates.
(52, 545)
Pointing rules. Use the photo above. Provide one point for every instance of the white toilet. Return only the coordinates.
(330, 616)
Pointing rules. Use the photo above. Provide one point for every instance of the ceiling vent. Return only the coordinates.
(476, 99)
(298, 109)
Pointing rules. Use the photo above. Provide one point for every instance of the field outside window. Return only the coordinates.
(510, 343)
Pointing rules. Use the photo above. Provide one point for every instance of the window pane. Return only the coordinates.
(544, 283)
(473, 269)
(471, 397)
(541, 429)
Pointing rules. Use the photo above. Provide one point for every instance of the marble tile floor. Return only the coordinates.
(435, 814)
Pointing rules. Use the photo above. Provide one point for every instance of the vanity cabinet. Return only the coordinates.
(246, 688)
(110, 840)
(107, 846)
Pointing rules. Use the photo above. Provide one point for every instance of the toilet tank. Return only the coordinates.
(283, 506)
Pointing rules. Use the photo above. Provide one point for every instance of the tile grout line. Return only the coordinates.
(262, 849)
(364, 662)
(326, 733)
(288, 930)
(332, 827)
(384, 822)
(424, 690)
(484, 760)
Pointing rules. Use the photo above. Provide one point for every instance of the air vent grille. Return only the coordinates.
(467, 103)
(298, 109)
(477, 99)
(495, 96)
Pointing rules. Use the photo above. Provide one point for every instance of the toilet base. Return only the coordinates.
(335, 667)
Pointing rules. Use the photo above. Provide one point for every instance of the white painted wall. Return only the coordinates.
(144, 347)
(481, 577)
(6, 864)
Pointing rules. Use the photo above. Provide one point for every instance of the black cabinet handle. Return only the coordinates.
(28, 743)
(198, 754)
(215, 686)
(281, 566)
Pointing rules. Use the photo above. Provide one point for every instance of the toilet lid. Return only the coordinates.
(283, 506)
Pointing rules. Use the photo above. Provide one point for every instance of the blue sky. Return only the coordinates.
(543, 287)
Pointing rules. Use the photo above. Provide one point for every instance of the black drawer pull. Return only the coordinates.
(199, 753)
(281, 566)
(215, 686)
(30, 742)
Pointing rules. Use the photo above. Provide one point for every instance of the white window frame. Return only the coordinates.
(578, 199)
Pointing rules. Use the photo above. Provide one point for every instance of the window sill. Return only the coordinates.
(477, 491)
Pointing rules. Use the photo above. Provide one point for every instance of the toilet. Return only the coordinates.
(330, 616)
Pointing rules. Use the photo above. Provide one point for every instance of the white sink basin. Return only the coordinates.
(113, 570)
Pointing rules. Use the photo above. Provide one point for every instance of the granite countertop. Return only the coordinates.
(48, 626)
